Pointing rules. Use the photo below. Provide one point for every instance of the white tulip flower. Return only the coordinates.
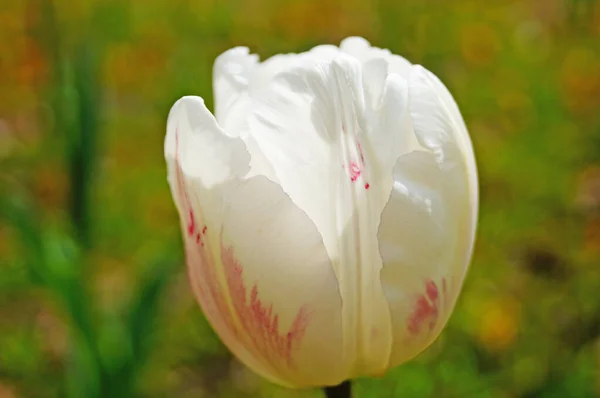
(328, 208)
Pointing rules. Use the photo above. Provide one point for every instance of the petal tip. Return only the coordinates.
(355, 42)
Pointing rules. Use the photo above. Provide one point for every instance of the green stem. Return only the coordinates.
(343, 390)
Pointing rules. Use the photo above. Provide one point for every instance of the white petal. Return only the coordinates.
(299, 123)
(428, 226)
(257, 264)
(438, 121)
(205, 152)
(201, 162)
(422, 77)
(361, 49)
(283, 286)
(417, 244)
(398, 65)
(271, 67)
(375, 73)
(232, 73)
(431, 121)
(310, 124)
(355, 46)
(268, 69)
(391, 127)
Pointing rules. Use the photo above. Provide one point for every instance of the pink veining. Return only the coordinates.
(210, 294)
(426, 309)
(258, 319)
(360, 151)
(191, 228)
(258, 326)
(354, 171)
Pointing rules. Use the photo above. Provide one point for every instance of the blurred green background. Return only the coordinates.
(94, 300)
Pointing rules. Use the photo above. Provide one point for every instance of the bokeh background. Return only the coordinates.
(93, 296)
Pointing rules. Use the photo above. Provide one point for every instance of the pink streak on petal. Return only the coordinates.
(201, 270)
(258, 320)
(425, 311)
(259, 330)
(191, 224)
(360, 151)
(354, 171)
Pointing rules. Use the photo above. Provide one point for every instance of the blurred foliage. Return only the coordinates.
(93, 293)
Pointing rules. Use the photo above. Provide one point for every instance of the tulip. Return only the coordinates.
(328, 209)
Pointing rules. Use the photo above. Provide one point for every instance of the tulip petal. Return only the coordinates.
(241, 254)
(310, 123)
(232, 74)
(416, 251)
(421, 76)
(201, 159)
(427, 228)
(375, 72)
(391, 127)
(279, 63)
(282, 286)
(440, 127)
(362, 50)
(355, 46)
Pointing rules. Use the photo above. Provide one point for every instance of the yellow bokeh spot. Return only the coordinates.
(499, 324)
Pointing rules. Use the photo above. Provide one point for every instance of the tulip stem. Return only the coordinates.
(343, 390)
